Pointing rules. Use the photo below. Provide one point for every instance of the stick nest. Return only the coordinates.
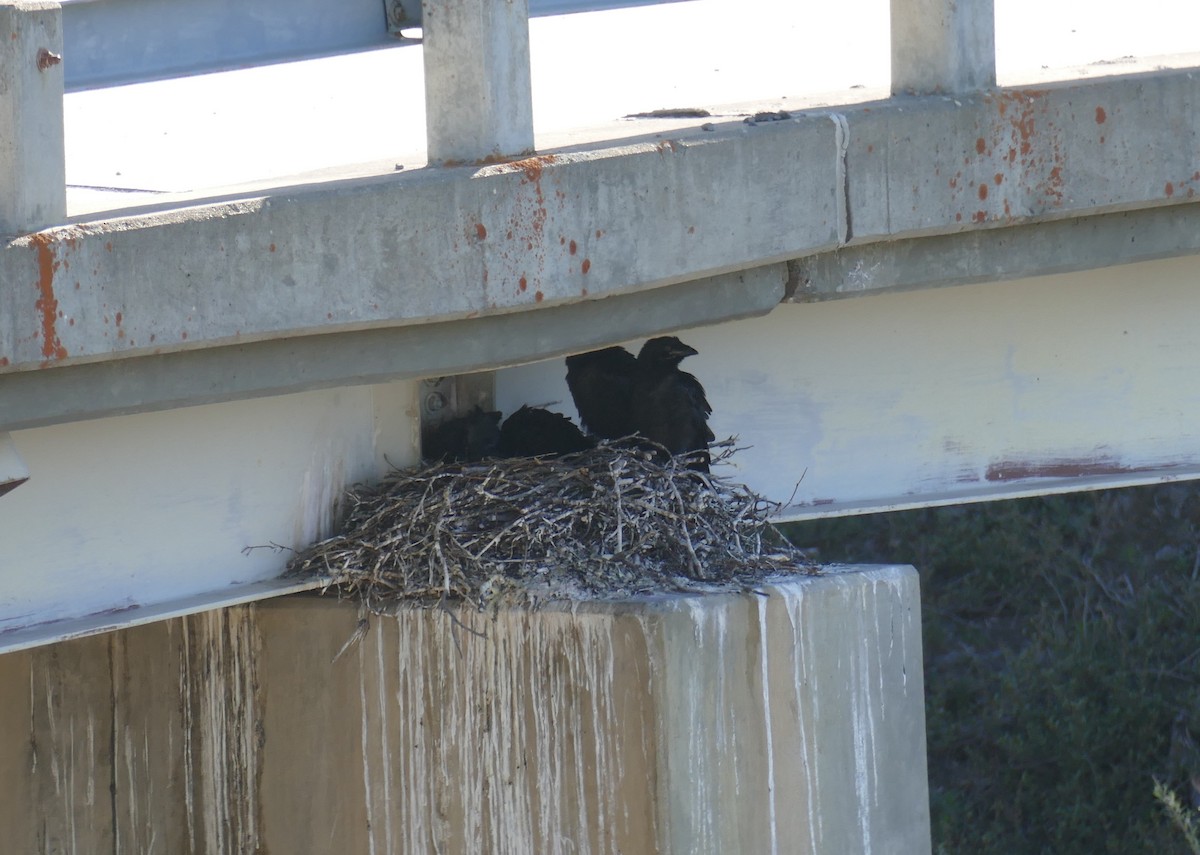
(610, 522)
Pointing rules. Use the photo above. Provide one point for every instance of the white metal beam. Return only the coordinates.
(939, 396)
(37, 634)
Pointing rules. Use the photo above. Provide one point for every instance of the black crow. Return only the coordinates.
(669, 406)
(463, 439)
(532, 431)
(601, 384)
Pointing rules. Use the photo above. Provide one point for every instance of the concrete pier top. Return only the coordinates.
(791, 722)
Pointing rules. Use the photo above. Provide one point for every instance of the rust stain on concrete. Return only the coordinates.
(531, 166)
(47, 303)
(1023, 151)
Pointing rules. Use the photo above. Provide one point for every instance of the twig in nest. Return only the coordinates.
(273, 546)
(608, 522)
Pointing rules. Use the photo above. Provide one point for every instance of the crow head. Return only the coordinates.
(665, 351)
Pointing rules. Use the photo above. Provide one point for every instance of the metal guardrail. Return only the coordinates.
(111, 42)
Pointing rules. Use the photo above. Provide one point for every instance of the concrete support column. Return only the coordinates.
(478, 89)
(32, 168)
(790, 723)
(943, 46)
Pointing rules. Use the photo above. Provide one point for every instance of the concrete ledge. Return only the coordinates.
(791, 722)
(191, 377)
(445, 244)
(432, 245)
(998, 255)
(938, 165)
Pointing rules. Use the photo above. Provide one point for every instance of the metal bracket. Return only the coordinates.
(444, 398)
(402, 14)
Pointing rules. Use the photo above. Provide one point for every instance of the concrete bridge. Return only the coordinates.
(214, 325)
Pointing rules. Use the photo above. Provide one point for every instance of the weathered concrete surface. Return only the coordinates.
(939, 165)
(943, 46)
(478, 88)
(33, 191)
(787, 723)
(998, 255)
(430, 245)
(186, 378)
(444, 244)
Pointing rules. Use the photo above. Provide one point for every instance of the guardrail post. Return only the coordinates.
(478, 89)
(943, 46)
(33, 190)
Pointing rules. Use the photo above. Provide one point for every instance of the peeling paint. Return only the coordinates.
(1060, 467)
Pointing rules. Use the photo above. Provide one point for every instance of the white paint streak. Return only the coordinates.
(189, 754)
(384, 745)
(765, 673)
(228, 729)
(366, 749)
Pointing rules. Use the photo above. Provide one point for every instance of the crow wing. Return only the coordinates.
(601, 384)
(671, 409)
(532, 431)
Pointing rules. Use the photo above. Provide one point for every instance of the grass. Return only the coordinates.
(1062, 663)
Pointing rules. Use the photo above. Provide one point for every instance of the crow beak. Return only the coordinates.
(683, 351)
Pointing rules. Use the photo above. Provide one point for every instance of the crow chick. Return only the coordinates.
(601, 384)
(669, 406)
(463, 439)
(533, 431)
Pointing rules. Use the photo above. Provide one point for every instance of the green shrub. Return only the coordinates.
(1062, 649)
